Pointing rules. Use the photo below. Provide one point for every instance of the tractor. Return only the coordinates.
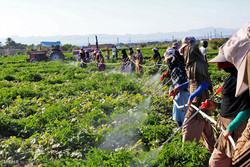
(52, 55)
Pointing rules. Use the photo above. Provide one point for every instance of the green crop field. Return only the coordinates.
(59, 114)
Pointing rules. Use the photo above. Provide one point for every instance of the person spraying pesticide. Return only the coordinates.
(235, 103)
(82, 58)
(198, 84)
(156, 57)
(139, 60)
(131, 54)
(100, 61)
(177, 73)
(125, 61)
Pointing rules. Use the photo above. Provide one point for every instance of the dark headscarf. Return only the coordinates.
(124, 54)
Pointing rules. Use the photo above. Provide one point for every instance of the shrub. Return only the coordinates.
(216, 43)
(97, 157)
(173, 154)
(32, 77)
(9, 78)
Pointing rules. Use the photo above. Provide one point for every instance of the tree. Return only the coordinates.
(216, 43)
(67, 47)
(8, 42)
(142, 45)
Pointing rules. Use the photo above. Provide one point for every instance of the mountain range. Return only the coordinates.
(80, 40)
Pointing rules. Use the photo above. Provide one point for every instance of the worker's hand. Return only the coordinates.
(163, 77)
(226, 134)
(174, 92)
(209, 105)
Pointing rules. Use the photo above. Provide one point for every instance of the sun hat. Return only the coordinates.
(138, 49)
(155, 48)
(221, 57)
(235, 51)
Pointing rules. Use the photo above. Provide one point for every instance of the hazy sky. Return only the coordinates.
(81, 17)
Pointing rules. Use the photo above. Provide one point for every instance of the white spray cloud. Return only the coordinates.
(125, 132)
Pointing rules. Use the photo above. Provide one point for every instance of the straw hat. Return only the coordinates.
(235, 51)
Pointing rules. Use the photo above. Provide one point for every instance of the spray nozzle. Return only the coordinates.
(203, 105)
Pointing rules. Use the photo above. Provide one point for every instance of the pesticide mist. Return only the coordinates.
(115, 70)
(124, 133)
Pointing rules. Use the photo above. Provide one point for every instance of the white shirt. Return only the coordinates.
(203, 50)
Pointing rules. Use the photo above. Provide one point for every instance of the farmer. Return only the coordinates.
(203, 49)
(235, 104)
(230, 107)
(115, 53)
(178, 76)
(139, 60)
(176, 47)
(100, 61)
(82, 56)
(99, 57)
(107, 54)
(94, 55)
(156, 57)
(124, 60)
(131, 54)
(87, 56)
(199, 81)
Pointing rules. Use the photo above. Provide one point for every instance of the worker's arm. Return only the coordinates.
(200, 89)
(237, 121)
(176, 90)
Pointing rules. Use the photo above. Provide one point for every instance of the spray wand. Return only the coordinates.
(154, 92)
(171, 94)
(163, 77)
(158, 104)
(197, 111)
(217, 92)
